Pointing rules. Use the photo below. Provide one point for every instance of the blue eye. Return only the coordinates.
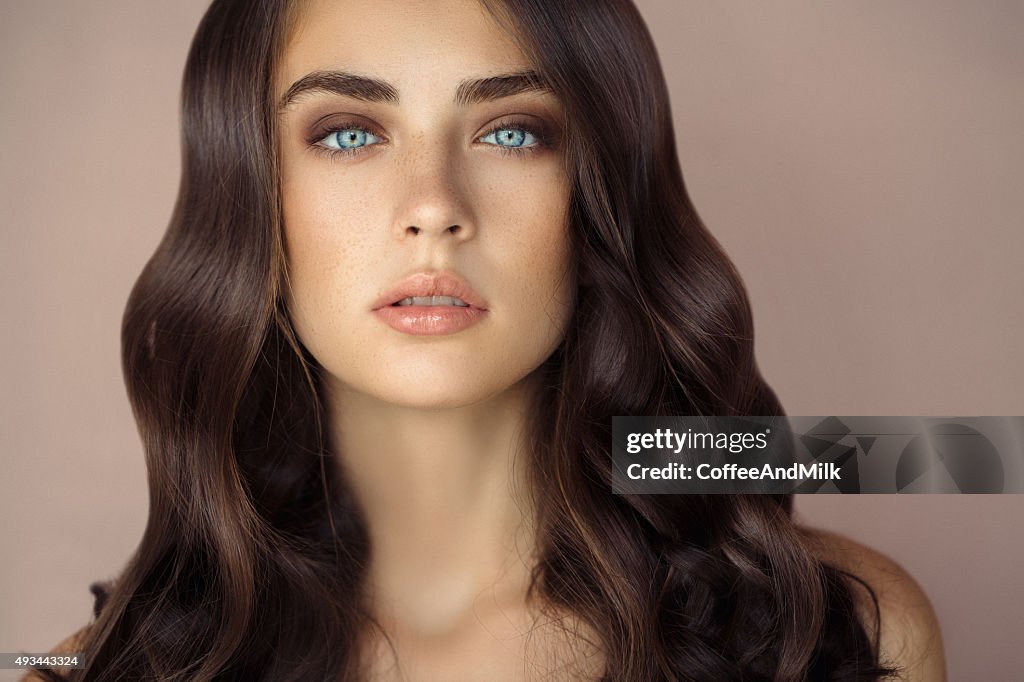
(510, 138)
(349, 139)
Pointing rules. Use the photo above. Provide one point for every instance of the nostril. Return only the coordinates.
(413, 229)
(454, 229)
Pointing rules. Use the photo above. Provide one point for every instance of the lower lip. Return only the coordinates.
(425, 320)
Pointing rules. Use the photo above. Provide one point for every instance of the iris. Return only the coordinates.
(351, 138)
(510, 137)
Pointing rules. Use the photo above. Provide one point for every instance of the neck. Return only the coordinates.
(445, 498)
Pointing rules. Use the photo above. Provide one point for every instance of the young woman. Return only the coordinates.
(422, 253)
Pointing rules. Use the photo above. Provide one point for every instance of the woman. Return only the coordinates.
(422, 254)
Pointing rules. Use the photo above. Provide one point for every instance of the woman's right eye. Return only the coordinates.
(348, 139)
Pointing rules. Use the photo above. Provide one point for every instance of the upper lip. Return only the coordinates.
(431, 284)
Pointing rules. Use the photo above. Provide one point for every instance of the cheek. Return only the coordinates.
(325, 255)
(529, 234)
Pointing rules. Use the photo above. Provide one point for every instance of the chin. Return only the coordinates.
(435, 376)
(433, 400)
(434, 387)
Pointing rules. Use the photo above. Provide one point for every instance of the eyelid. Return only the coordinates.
(331, 123)
(329, 127)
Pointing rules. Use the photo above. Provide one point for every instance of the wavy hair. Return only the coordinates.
(253, 558)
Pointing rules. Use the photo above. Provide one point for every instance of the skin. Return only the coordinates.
(430, 430)
(909, 635)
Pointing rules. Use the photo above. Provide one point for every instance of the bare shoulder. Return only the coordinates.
(69, 645)
(910, 637)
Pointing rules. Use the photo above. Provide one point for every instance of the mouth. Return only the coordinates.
(430, 304)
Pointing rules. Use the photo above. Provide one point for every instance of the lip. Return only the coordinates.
(421, 320)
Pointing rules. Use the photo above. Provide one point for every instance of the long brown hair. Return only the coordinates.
(254, 555)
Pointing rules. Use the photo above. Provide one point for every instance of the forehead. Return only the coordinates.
(401, 41)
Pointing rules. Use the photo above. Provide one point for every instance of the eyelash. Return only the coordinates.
(543, 139)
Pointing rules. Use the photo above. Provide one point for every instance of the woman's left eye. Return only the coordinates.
(510, 138)
(349, 139)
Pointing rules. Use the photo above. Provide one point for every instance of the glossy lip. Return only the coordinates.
(420, 320)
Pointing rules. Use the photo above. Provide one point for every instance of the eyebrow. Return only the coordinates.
(470, 91)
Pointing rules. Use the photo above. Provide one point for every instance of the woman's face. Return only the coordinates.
(422, 167)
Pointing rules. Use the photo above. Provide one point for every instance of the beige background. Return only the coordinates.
(862, 162)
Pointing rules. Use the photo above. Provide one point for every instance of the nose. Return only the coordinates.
(433, 203)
